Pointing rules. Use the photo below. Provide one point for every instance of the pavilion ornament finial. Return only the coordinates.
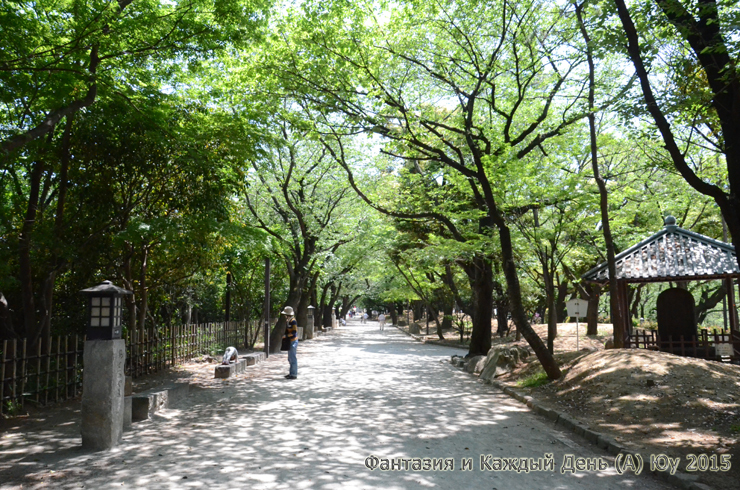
(670, 223)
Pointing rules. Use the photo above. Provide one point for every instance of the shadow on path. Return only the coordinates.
(360, 392)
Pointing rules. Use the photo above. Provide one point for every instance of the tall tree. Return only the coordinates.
(57, 56)
(476, 93)
(702, 104)
(297, 197)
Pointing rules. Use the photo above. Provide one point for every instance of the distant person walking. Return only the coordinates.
(291, 333)
(364, 318)
(381, 321)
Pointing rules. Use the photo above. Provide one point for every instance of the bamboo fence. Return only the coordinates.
(53, 371)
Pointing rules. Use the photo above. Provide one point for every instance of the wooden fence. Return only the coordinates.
(46, 375)
(724, 346)
(54, 373)
(149, 355)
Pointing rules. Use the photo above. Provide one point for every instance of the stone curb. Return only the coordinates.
(680, 479)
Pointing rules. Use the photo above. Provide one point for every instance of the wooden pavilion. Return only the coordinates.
(676, 255)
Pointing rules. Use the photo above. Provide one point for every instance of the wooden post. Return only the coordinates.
(47, 372)
(14, 369)
(66, 367)
(23, 371)
(56, 371)
(730, 286)
(2, 374)
(38, 374)
(77, 344)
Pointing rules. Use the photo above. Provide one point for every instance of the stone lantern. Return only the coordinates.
(311, 322)
(104, 311)
(104, 361)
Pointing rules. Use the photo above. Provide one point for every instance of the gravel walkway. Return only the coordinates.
(359, 392)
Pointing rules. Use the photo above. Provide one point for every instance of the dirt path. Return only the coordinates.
(359, 393)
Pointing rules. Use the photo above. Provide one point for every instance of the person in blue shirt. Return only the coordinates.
(291, 333)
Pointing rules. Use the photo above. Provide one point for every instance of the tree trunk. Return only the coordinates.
(302, 312)
(603, 193)
(143, 292)
(24, 254)
(394, 314)
(480, 274)
(562, 293)
(347, 305)
(55, 264)
(636, 299)
(552, 321)
(515, 296)
(447, 318)
(417, 307)
(187, 313)
(293, 300)
(592, 314)
(707, 301)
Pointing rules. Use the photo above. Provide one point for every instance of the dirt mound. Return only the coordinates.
(654, 402)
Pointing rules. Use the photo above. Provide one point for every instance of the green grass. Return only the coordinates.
(537, 379)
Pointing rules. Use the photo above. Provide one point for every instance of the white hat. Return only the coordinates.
(287, 311)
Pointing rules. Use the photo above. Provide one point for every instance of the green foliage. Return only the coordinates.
(535, 380)
(218, 134)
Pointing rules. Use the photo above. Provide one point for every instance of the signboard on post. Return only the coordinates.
(577, 308)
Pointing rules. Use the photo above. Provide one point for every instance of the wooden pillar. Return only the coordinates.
(730, 286)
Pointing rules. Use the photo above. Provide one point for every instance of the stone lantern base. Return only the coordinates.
(102, 393)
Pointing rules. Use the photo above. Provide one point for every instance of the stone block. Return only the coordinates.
(224, 371)
(254, 358)
(144, 405)
(475, 364)
(127, 401)
(128, 386)
(414, 329)
(501, 360)
(228, 370)
(102, 393)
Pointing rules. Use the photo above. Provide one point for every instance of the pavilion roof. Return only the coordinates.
(672, 254)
